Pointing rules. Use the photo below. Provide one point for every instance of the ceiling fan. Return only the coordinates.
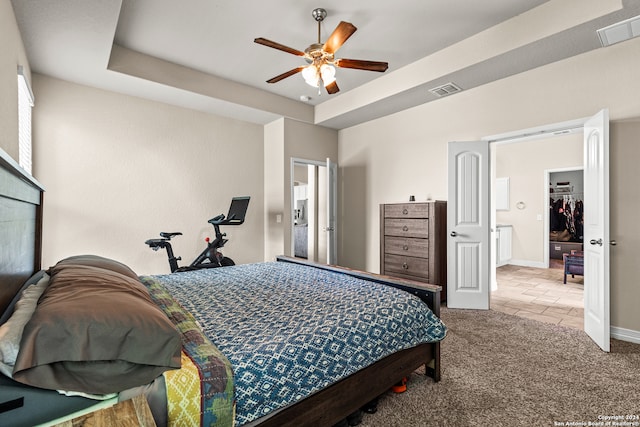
(321, 71)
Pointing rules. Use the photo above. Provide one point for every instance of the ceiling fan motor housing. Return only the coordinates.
(319, 14)
(315, 54)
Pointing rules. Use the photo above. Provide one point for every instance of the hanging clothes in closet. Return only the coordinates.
(566, 217)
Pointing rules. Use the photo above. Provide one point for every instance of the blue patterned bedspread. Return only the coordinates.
(291, 330)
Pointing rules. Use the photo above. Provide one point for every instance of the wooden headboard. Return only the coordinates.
(20, 228)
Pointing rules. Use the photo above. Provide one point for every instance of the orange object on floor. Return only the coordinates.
(401, 386)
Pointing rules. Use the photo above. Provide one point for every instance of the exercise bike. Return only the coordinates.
(210, 257)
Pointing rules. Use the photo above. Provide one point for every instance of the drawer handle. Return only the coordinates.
(405, 228)
(405, 247)
(405, 211)
(405, 266)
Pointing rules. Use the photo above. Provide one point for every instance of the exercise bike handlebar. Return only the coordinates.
(218, 220)
(222, 220)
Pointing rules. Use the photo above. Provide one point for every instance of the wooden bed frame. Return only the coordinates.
(21, 202)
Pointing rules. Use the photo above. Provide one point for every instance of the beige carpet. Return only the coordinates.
(503, 370)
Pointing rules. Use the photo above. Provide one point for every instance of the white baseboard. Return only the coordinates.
(625, 334)
(527, 263)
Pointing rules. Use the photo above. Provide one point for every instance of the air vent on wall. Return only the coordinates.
(445, 89)
(619, 32)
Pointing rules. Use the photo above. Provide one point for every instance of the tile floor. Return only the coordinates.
(539, 294)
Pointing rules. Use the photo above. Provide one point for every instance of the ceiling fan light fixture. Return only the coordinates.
(328, 74)
(311, 75)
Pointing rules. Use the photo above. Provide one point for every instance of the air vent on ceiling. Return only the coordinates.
(620, 31)
(445, 89)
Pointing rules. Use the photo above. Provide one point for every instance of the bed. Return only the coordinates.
(220, 392)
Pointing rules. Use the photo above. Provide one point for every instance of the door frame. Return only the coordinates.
(296, 161)
(555, 130)
(547, 180)
(522, 135)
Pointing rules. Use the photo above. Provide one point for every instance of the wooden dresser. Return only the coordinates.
(413, 242)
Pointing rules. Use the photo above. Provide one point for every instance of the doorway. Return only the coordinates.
(565, 204)
(526, 284)
(309, 210)
(314, 210)
(471, 219)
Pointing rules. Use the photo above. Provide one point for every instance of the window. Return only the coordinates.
(25, 103)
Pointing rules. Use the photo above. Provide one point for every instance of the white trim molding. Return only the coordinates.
(527, 263)
(538, 132)
(625, 334)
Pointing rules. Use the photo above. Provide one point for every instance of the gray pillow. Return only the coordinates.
(95, 331)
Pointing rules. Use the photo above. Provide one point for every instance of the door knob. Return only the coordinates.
(596, 242)
(613, 243)
(454, 234)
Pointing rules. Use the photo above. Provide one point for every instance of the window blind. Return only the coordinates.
(25, 104)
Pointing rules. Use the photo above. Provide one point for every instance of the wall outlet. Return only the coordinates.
(278, 218)
(539, 217)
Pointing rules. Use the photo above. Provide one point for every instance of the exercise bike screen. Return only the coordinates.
(238, 210)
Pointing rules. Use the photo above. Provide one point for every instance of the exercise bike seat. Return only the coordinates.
(169, 235)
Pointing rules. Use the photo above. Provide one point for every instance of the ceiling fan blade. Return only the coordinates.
(289, 73)
(343, 31)
(332, 88)
(362, 65)
(278, 46)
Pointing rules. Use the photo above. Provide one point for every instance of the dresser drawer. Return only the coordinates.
(407, 246)
(406, 265)
(406, 227)
(409, 210)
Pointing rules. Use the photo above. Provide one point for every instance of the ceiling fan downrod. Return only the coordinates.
(319, 14)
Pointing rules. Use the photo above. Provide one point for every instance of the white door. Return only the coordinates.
(332, 212)
(596, 229)
(468, 207)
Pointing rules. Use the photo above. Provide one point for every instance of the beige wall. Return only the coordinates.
(119, 169)
(525, 163)
(274, 194)
(286, 139)
(624, 206)
(388, 159)
(12, 54)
